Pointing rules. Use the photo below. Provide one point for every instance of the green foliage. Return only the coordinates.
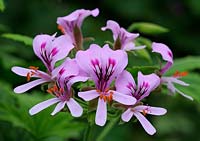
(147, 28)
(193, 89)
(14, 109)
(20, 38)
(2, 6)
(185, 64)
(144, 69)
(144, 41)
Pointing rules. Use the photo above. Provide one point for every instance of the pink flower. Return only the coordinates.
(67, 75)
(71, 24)
(139, 112)
(167, 55)
(50, 50)
(146, 83)
(123, 39)
(103, 65)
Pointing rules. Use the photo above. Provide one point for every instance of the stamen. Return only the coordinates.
(61, 29)
(144, 112)
(54, 51)
(33, 68)
(180, 74)
(28, 76)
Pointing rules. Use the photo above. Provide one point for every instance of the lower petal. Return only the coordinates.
(59, 107)
(127, 115)
(186, 96)
(25, 87)
(123, 98)
(151, 110)
(75, 109)
(148, 127)
(77, 79)
(43, 105)
(88, 95)
(101, 113)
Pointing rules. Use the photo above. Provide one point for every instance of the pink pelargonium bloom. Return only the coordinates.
(71, 24)
(68, 73)
(167, 55)
(122, 38)
(139, 112)
(146, 83)
(50, 50)
(103, 65)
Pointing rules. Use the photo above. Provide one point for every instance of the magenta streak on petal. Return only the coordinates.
(46, 57)
(43, 45)
(103, 74)
(141, 90)
(131, 87)
(170, 54)
(54, 51)
(61, 71)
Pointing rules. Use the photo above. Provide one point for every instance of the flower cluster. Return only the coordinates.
(105, 66)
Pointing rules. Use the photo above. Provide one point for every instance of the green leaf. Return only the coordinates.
(144, 54)
(14, 109)
(193, 89)
(185, 64)
(20, 38)
(2, 6)
(148, 28)
(144, 41)
(143, 69)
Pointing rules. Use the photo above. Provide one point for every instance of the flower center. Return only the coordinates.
(58, 92)
(34, 71)
(107, 95)
(138, 92)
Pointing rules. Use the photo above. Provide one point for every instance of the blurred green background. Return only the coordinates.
(32, 17)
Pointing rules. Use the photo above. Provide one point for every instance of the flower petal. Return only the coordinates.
(123, 83)
(131, 46)
(88, 95)
(123, 99)
(101, 113)
(152, 80)
(102, 56)
(75, 109)
(25, 87)
(77, 79)
(20, 70)
(163, 50)
(151, 110)
(186, 96)
(58, 107)
(114, 27)
(166, 54)
(62, 46)
(127, 115)
(41, 41)
(148, 127)
(68, 68)
(76, 17)
(43, 105)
